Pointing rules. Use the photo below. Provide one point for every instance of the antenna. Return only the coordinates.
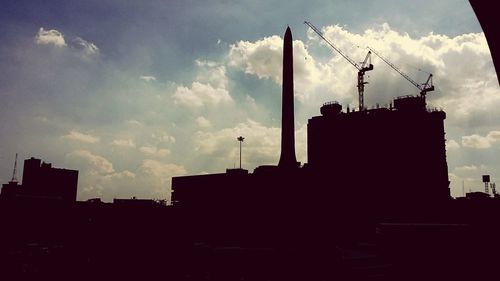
(14, 173)
(463, 188)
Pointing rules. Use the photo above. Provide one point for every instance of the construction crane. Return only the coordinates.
(366, 65)
(424, 88)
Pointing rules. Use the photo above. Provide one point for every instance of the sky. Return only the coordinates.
(132, 93)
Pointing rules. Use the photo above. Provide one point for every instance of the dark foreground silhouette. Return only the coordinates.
(98, 240)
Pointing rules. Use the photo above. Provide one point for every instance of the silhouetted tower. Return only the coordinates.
(14, 173)
(240, 139)
(287, 158)
(486, 180)
(11, 189)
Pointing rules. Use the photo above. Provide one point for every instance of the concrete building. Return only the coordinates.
(42, 181)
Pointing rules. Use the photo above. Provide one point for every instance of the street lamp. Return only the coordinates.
(240, 139)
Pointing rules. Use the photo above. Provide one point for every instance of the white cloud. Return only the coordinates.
(98, 178)
(203, 122)
(261, 145)
(476, 141)
(56, 38)
(148, 149)
(466, 168)
(42, 119)
(451, 145)
(480, 142)
(212, 73)
(262, 58)
(162, 152)
(154, 151)
(124, 174)
(201, 94)
(312, 79)
(471, 172)
(82, 137)
(94, 163)
(161, 172)
(50, 37)
(210, 87)
(123, 143)
(260, 141)
(162, 137)
(87, 47)
(147, 78)
(134, 122)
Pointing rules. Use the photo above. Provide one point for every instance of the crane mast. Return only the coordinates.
(424, 88)
(366, 65)
(361, 80)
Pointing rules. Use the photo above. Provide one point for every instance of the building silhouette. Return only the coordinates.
(374, 159)
(42, 181)
(396, 153)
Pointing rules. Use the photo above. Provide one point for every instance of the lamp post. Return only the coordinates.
(240, 139)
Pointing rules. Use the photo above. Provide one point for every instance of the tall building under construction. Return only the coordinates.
(396, 152)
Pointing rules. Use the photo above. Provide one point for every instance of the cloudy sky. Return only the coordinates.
(131, 93)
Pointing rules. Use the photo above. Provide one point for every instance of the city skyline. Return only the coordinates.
(131, 100)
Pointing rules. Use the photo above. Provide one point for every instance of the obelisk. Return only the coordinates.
(287, 158)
